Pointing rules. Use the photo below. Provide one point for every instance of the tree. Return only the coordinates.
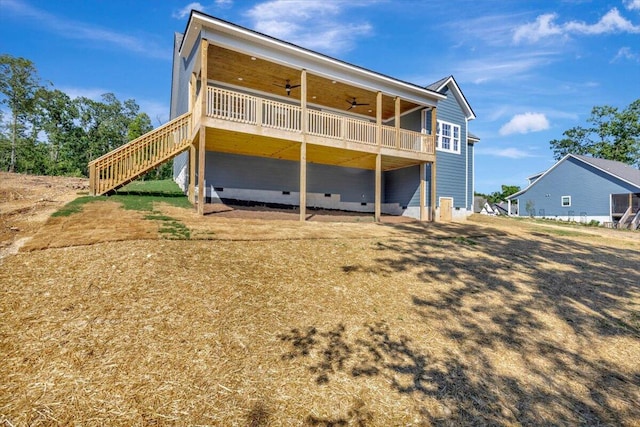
(59, 116)
(106, 125)
(19, 83)
(613, 135)
(499, 196)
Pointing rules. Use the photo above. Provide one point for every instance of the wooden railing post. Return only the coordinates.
(259, 112)
(303, 102)
(434, 127)
(379, 119)
(397, 119)
(92, 179)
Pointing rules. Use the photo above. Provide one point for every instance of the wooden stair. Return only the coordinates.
(129, 161)
(634, 224)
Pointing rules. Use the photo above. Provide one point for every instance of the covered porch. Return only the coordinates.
(263, 107)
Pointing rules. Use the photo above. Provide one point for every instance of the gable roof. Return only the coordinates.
(457, 93)
(619, 170)
(199, 21)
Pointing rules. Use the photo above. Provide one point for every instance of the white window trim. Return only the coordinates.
(439, 141)
(562, 201)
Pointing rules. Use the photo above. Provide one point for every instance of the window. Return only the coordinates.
(448, 137)
(566, 201)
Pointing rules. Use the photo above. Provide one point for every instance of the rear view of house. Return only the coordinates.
(583, 189)
(259, 120)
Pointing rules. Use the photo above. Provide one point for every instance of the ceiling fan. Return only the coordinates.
(353, 104)
(287, 87)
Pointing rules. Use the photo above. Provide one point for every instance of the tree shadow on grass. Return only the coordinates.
(589, 289)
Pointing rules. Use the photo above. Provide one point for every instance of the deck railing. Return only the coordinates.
(139, 155)
(243, 108)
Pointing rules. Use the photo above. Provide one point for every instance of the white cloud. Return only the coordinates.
(633, 4)
(626, 53)
(84, 31)
(185, 11)
(544, 26)
(525, 123)
(501, 67)
(509, 152)
(314, 24)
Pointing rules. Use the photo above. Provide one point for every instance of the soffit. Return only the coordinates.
(228, 66)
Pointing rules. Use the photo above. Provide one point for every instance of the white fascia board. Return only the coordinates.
(457, 93)
(239, 39)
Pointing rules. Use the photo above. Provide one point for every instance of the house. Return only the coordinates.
(255, 119)
(584, 189)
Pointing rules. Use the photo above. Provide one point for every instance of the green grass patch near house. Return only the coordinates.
(137, 195)
(141, 196)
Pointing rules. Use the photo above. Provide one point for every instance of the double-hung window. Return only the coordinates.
(448, 137)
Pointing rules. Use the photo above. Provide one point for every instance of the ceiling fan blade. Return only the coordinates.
(295, 86)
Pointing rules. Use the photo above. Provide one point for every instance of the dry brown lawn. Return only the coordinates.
(255, 322)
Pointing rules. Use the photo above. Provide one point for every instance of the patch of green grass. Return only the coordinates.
(563, 232)
(141, 196)
(166, 187)
(137, 196)
(171, 228)
(75, 206)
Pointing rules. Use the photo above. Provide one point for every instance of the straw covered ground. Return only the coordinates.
(110, 319)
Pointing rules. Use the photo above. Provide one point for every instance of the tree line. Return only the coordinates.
(44, 131)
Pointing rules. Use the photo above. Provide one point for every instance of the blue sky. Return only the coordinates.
(530, 69)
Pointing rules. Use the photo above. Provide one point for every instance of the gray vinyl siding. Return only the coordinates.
(258, 173)
(182, 69)
(402, 186)
(589, 188)
(411, 121)
(450, 167)
(470, 171)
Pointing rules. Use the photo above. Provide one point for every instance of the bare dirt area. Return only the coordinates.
(26, 201)
(106, 320)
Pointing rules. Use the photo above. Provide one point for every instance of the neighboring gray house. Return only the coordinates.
(581, 188)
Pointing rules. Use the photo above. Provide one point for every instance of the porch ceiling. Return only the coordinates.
(229, 66)
(231, 142)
